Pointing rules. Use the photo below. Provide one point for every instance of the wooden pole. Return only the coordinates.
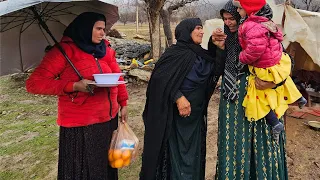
(137, 16)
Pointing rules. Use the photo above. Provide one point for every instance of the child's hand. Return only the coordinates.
(262, 85)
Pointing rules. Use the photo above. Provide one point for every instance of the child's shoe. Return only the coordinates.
(276, 130)
(302, 102)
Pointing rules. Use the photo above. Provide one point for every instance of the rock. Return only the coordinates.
(18, 77)
(147, 68)
(120, 60)
(290, 160)
(124, 67)
(123, 35)
(146, 56)
(133, 65)
(127, 49)
(45, 112)
(30, 70)
(137, 36)
(140, 74)
(114, 33)
(21, 116)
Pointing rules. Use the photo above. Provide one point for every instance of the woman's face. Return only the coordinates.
(197, 35)
(98, 32)
(230, 21)
(242, 12)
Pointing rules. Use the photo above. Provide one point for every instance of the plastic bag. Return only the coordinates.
(123, 147)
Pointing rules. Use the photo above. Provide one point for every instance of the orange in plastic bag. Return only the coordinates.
(123, 147)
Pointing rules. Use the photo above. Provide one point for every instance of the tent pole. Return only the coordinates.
(46, 28)
(20, 50)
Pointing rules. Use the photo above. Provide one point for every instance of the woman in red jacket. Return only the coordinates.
(86, 121)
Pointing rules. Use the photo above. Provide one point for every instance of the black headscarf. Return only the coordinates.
(233, 67)
(166, 79)
(265, 11)
(183, 36)
(80, 31)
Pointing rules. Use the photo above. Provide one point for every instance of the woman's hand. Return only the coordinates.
(184, 106)
(82, 85)
(124, 114)
(262, 85)
(219, 38)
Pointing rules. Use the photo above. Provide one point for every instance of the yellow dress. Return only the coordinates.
(258, 103)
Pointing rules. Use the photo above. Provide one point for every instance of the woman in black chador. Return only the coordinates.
(175, 114)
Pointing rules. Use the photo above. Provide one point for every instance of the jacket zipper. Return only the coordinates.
(108, 90)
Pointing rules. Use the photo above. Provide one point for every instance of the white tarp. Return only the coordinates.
(208, 27)
(311, 41)
(299, 26)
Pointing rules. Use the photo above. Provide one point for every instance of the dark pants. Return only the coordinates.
(272, 118)
(187, 140)
(83, 152)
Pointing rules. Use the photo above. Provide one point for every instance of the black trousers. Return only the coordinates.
(83, 152)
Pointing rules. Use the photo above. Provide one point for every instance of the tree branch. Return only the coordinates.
(179, 4)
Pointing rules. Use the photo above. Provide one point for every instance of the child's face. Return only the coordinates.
(242, 12)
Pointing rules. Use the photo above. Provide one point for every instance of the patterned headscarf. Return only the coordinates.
(233, 67)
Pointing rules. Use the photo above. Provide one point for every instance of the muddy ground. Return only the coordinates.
(303, 143)
(29, 137)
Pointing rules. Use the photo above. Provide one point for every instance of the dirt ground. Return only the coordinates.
(303, 143)
(28, 148)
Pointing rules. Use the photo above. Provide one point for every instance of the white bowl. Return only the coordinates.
(107, 78)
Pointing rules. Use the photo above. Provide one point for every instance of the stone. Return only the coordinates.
(129, 49)
(140, 74)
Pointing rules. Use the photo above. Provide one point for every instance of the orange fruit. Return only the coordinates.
(126, 162)
(118, 163)
(110, 156)
(126, 155)
(116, 154)
(112, 164)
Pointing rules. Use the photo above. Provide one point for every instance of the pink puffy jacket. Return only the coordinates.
(260, 40)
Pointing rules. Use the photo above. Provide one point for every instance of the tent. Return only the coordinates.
(301, 37)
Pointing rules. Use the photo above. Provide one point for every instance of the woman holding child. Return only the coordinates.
(246, 149)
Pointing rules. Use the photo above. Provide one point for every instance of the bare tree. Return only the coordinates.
(166, 13)
(126, 11)
(310, 5)
(209, 10)
(174, 18)
(189, 12)
(142, 13)
(124, 18)
(153, 11)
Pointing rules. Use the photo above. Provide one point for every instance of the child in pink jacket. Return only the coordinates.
(262, 50)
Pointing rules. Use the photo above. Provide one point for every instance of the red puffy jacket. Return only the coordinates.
(260, 40)
(55, 76)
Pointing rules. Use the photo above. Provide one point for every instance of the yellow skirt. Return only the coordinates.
(258, 103)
